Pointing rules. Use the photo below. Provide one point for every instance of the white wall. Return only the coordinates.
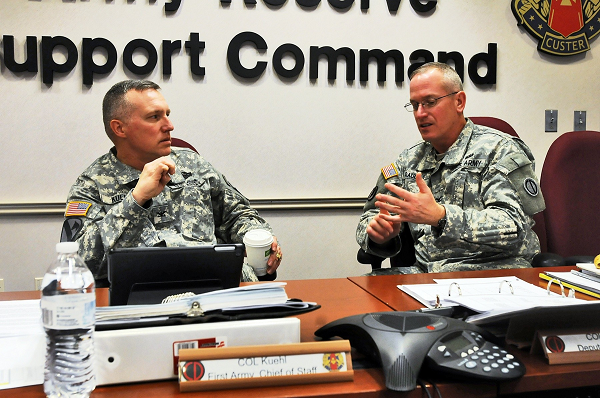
(316, 244)
(272, 138)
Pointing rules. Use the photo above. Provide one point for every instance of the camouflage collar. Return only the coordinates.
(457, 151)
(453, 156)
(123, 173)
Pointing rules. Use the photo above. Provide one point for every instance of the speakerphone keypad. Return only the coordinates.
(482, 358)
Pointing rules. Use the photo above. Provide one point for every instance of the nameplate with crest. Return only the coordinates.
(265, 365)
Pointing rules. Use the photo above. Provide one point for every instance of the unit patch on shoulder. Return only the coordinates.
(77, 208)
(70, 229)
(389, 171)
(531, 186)
(372, 194)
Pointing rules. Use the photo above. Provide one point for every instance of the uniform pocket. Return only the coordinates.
(197, 221)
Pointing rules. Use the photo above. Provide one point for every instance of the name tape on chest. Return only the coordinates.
(410, 175)
(474, 163)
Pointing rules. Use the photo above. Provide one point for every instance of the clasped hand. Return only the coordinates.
(153, 179)
(275, 257)
(418, 208)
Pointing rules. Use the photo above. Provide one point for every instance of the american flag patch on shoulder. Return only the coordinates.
(77, 208)
(389, 171)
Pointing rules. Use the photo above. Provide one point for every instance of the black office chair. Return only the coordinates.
(406, 257)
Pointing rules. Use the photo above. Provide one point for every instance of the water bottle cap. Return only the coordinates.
(67, 247)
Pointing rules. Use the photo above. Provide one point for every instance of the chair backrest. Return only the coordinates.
(181, 143)
(494, 123)
(570, 182)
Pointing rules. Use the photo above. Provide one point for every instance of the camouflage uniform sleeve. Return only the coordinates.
(508, 204)
(103, 226)
(392, 247)
(232, 212)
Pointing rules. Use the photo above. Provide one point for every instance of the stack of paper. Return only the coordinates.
(251, 296)
(22, 344)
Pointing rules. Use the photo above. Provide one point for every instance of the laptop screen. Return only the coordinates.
(146, 275)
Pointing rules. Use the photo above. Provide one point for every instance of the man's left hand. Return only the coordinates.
(418, 208)
(275, 258)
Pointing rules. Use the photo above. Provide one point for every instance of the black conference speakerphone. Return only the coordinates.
(404, 341)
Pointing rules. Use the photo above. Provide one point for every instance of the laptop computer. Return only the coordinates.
(146, 275)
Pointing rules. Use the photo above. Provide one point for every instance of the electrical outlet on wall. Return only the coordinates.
(579, 121)
(1, 285)
(551, 120)
(38, 283)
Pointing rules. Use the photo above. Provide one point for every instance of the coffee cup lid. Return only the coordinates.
(258, 237)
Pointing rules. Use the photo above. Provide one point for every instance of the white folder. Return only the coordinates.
(143, 354)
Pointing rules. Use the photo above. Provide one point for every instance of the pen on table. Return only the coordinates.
(583, 275)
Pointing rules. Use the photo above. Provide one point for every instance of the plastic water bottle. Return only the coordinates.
(68, 314)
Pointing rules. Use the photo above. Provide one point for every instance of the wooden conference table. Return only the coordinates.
(344, 297)
(539, 376)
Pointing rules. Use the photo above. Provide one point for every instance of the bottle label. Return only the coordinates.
(68, 311)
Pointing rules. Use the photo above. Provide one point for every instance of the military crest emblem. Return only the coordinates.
(562, 27)
(333, 362)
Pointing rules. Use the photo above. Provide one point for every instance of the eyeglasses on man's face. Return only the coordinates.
(413, 106)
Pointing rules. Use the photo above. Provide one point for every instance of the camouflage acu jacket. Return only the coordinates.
(486, 182)
(198, 206)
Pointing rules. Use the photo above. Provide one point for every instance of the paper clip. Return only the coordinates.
(450, 289)
(512, 291)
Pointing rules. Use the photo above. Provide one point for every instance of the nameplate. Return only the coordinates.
(570, 347)
(265, 365)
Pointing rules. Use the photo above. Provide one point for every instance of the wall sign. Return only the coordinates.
(563, 27)
(481, 68)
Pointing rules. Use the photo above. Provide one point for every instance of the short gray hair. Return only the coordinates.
(116, 106)
(451, 80)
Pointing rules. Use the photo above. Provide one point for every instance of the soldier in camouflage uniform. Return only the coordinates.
(466, 192)
(145, 193)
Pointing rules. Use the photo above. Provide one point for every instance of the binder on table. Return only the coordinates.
(489, 299)
(573, 280)
(507, 306)
(258, 301)
(152, 353)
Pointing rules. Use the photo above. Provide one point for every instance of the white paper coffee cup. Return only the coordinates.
(258, 249)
